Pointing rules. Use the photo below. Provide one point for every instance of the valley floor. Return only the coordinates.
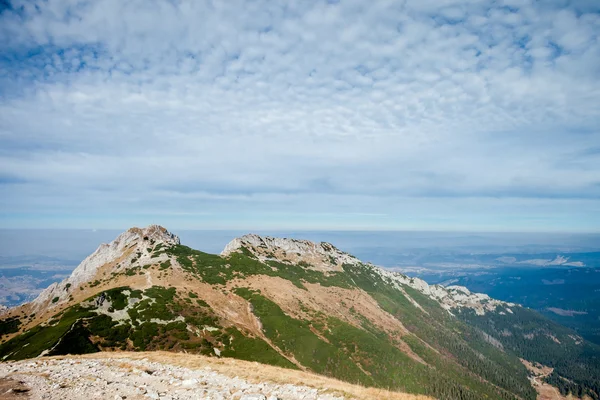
(169, 376)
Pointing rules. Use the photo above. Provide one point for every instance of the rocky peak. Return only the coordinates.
(155, 233)
(128, 248)
(320, 256)
(130, 241)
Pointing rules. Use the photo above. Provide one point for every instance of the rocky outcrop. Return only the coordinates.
(129, 249)
(132, 241)
(450, 297)
(320, 256)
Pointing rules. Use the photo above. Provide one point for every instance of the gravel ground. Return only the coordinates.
(122, 378)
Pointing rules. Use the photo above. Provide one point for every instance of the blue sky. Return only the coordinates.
(425, 115)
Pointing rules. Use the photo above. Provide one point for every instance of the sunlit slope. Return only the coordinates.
(293, 304)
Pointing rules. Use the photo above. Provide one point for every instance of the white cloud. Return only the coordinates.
(368, 107)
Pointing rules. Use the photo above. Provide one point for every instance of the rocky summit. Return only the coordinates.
(296, 305)
(321, 256)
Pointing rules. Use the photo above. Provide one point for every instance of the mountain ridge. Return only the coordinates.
(286, 302)
(330, 257)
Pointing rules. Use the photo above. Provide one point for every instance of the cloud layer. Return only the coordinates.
(350, 114)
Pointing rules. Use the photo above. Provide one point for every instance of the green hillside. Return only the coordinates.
(457, 354)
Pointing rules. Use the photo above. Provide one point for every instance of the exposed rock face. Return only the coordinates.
(129, 241)
(118, 254)
(321, 256)
(450, 297)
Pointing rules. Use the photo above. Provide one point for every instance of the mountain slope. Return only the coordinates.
(289, 303)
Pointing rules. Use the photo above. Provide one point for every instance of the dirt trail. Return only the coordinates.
(545, 391)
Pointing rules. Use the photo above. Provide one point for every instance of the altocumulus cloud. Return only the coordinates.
(350, 114)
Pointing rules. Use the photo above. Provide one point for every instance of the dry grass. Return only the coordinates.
(255, 373)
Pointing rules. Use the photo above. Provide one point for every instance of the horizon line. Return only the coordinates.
(357, 230)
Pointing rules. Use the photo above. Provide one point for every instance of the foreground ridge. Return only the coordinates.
(170, 376)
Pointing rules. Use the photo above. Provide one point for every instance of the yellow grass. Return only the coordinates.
(255, 373)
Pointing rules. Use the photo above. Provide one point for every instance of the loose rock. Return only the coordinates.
(123, 378)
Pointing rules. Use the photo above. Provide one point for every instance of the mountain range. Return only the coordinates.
(303, 306)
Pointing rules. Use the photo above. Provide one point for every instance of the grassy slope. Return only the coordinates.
(458, 350)
(353, 351)
(142, 332)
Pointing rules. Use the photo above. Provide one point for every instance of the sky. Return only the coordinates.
(353, 115)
